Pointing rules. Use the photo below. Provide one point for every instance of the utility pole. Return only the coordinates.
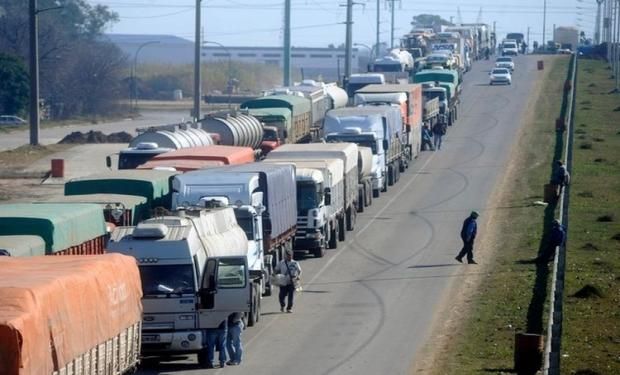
(544, 23)
(597, 26)
(392, 24)
(197, 51)
(378, 26)
(34, 73)
(528, 39)
(348, 42)
(287, 43)
(617, 52)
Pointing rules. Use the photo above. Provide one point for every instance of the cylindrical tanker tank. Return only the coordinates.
(364, 161)
(337, 96)
(174, 139)
(235, 129)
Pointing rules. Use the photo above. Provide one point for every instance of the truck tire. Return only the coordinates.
(342, 231)
(402, 167)
(391, 175)
(450, 117)
(333, 236)
(361, 198)
(376, 193)
(254, 307)
(319, 252)
(351, 216)
(369, 195)
(203, 359)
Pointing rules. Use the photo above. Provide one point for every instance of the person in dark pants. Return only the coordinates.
(561, 177)
(439, 130)
(557, 237)
(290, 268)
(235, 346)
(427, 139)
(468, 235)
(216, 339)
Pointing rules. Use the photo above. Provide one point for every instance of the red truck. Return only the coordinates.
(189, 159)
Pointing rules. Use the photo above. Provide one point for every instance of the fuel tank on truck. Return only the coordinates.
(235, 129)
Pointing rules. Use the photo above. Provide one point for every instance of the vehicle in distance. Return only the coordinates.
(505, 62)
(510, 49)
(11, 120)
(500, 75)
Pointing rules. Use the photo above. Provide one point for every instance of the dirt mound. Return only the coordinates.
(616, 237)
(589, 246)
(588, 291)
(96, 137)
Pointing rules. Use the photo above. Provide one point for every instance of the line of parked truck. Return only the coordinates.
(195, 218)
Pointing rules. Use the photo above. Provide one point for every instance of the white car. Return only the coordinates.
(11, 120)
(500, 75)
(510, 49)
(505, 62)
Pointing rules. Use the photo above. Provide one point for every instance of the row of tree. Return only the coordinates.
(80, 73)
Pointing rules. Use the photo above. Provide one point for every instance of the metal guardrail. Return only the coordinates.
(554, 329)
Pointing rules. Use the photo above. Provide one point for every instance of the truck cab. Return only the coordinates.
(194, 273)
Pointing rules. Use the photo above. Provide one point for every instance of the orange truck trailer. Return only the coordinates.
(69, 315)
(409, 98)
(189, 159)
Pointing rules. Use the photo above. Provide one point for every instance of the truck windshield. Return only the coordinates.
(436, 94)
(307, 197)
(361, 141)
(167, 279)
(132, 161)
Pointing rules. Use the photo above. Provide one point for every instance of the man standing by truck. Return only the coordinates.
(468, 235)
(439, 130)
(291, 269)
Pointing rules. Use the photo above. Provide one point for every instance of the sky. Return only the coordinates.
(318, 23)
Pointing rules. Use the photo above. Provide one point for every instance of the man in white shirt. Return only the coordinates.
(290, 268)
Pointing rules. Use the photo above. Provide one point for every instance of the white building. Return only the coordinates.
(168, 49)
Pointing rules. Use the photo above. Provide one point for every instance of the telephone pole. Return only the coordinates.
(348, 41)
(378, 26)
(528, 39)
(197, 51)
(287, 43)
(544, 23)
(34, 73)
(392, 25)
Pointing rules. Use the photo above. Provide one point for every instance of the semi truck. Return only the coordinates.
(347, 152)
(360, 80)
(412, 109)
(364, 171)
(189, 159)
(264, 201)
(447, 79)
(320, 202)
(195, 273)
(66, 229)
(377, 127)
(69, 315)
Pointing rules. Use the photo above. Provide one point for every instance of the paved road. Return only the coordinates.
(54, 134)
(367, 306)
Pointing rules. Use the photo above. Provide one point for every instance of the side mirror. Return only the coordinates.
(328, 196)
(108, 161)
(386, 145)
(209, 279)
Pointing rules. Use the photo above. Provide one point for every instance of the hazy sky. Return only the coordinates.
(317, 23)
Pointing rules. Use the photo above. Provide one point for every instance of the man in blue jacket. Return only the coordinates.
(557, 237)
(468, 235)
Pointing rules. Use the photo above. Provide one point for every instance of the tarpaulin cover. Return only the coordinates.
(297, 104)
(22, 246)
(181, 165)
(154, 185)
(138, 205)
(60, 226)
(226, 154)
(53, 309)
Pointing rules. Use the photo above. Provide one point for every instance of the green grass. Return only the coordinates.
(591, 336)
(511, 298)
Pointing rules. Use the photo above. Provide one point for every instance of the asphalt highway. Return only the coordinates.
(367, 307)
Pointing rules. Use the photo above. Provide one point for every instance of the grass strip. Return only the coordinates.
(511, 297)
(591, 327)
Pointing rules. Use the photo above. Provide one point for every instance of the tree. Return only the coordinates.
(64, 34)
(14, 85)
(429, 20)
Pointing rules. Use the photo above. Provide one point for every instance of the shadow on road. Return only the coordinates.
(435, 265)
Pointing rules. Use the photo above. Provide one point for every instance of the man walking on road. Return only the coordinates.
(468, 235)
(234, 344)
(290, 268)
(439, 130)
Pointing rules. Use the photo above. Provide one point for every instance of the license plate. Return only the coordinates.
(150, 338)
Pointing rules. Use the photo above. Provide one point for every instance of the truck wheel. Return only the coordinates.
(403, 166)
(351, 215)
(203, 359)
(254, 307)
(456, 113)
(319, 252)
(360, 198)
(397, 172)
(376, 193)
(342, 231)
(333, 236)
(369, 194)
(391, 175)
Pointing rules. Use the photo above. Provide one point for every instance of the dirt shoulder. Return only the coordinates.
(453, 319)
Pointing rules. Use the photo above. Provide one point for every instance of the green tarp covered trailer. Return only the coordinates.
(22, 246)
(118, 209)
(71, 229)
(154, 185)
(301, 113)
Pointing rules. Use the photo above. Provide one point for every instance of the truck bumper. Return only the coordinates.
(307, 243)
(173, 342)
(377, 183)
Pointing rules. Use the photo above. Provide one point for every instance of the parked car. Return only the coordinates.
(11, 120)
(500, 75)
(505, 62)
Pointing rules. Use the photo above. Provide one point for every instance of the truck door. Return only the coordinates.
(225, 288)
